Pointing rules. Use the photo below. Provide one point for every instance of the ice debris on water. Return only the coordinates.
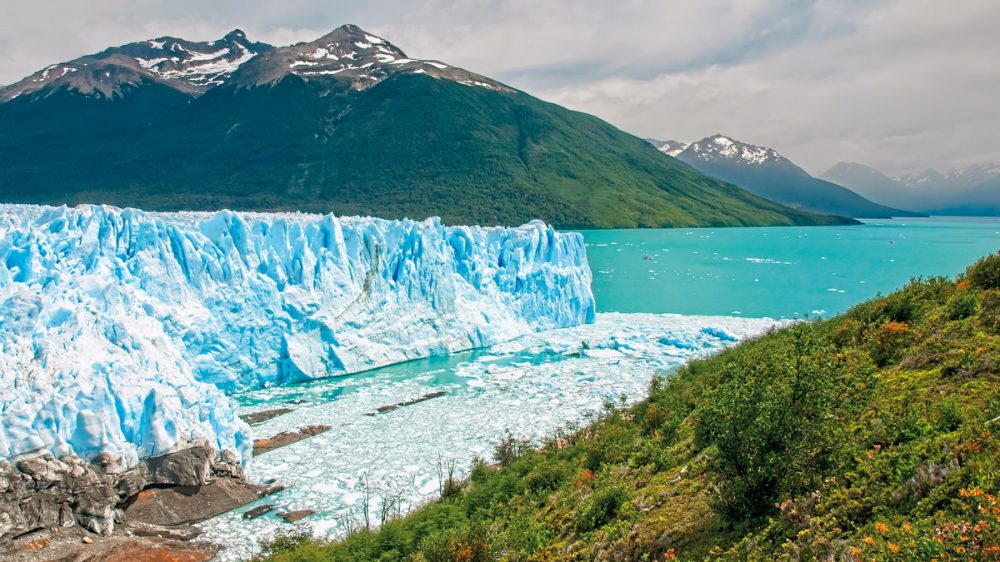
(530, 386)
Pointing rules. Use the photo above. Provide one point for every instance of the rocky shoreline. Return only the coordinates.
(71, 509)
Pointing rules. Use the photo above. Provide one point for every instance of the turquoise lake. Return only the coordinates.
(777, 272)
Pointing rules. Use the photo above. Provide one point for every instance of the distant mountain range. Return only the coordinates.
(765, 172)
(973, 190)
(346, 123)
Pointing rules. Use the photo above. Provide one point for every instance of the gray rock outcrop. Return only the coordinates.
(39, 491)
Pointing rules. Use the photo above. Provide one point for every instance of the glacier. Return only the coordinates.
(125, 332)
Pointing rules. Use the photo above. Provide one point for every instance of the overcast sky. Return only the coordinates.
(902, 85)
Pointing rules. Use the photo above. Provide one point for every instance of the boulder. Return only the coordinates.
(39, 491)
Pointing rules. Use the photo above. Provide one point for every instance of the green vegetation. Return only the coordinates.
(870, 436)
(411, 146)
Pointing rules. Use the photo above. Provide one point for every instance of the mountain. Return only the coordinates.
(186, 66)
(764, 172)
(668, 147)
(972, 190)
(347, 123)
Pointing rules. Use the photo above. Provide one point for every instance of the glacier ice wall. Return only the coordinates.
(121, 330)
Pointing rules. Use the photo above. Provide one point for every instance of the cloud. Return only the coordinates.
(898, 84)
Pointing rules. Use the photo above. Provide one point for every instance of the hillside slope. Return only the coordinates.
(868, 436)
(347, 124)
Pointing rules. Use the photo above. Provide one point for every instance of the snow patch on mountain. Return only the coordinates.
(720, 147)
(668, 147)
(953, 179)
(192, 67)
(121, 330)
(354, 56)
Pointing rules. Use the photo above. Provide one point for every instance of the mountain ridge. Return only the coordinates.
(765, 172)
(969, 190)
(346, 124)
(188, 66)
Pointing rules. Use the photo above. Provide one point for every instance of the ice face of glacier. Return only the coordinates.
(121, 330)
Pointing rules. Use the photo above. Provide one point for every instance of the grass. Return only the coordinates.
(869, 436)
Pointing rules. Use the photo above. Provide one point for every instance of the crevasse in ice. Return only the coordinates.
(122, 330)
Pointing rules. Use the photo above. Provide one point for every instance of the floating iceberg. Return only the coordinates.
(122, 331)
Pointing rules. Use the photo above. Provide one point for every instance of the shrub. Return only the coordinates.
(848, 332)
(510, 448)
(989, 310)
(545, 477)
(602, 507)
(887, 342)
(985, 273)
(962, 305)
(462, 544)
(283, 545)
(949, 417)
(777, 418)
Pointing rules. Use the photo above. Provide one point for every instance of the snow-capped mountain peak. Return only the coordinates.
(668, 147)
(955, 178)
(720, 147)
(347, 54)
(351, 54)
(189, 66)
(198, 64)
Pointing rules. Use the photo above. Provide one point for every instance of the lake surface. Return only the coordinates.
(778, 272)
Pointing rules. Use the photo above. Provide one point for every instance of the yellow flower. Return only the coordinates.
(893, 547)
(882, 528)
(868, 541)
(907, 528)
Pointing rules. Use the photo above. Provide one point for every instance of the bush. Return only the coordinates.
(777, 418)
(985, 273)
(949, 417)
(546, 477)
(510, 448)
(989, 310)
(289, 546)
(601, 508)
(962, 305)
(887, 342)
(462, 544)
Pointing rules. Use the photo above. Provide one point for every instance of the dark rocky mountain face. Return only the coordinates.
(765, 172)
(347, 124)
